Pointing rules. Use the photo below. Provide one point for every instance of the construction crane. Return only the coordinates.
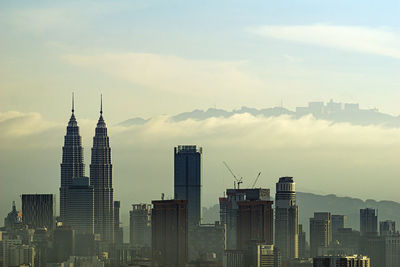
(255, 181)
(238, 181)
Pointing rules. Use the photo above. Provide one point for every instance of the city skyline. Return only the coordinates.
(299, 97)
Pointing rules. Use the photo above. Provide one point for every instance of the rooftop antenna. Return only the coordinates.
(73, 104)
(101, 104)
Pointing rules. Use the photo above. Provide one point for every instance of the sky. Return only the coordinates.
(159, 58)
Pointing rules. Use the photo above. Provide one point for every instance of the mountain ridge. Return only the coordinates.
(351, 114)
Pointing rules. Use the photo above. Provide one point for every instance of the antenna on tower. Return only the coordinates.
(101, 104)
(73, 104)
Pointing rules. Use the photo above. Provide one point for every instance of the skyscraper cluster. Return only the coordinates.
(87, 204)
(254, 229)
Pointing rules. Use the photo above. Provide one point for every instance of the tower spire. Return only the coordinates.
(101, 104)
(73, 104)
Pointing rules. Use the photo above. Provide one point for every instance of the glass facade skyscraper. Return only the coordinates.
(102, 182)
(72, 160)
(188, 179)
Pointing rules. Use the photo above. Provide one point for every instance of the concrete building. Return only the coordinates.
(368, 221)
(374, 246)
(13, 221)
(118, 231)
(207, 242)
(349, 240)
(63, 243)
(338, 222)
(392, 250)
(254, 223)
(229, 210)
(169, 224)
(102, 182)
(320, 232)
(188, 179)
(39, 210)
(302, 243)
(341, 261)
(19, 254)
(387, 227)
(234, 258)
(79, 212)
(140, 225)
(262, 255)
(286, 218)
(72, 160)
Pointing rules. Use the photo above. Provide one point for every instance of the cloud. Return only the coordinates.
(171, 73)
(14, 124)
(380, 41)
(320, 154)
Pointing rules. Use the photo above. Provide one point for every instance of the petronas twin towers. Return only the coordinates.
(73, 166)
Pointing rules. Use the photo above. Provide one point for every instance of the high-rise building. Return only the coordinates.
(13, 220)
(320, 232)
(169, 224)
(254, 223)
(102, 182)
(208, 242)
(140, 225)
(368, 221)
(262, 255)
(387, 227)
(374, 246)
(63, 243)
(118, 232)
(72, 160)
(229, 210)
(80, 206)
(392, 250)
(302, 243)
(338, 222)
(188, 179)
(342, 261)
(286, 218)
(39, 210)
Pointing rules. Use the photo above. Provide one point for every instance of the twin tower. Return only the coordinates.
(73, 166)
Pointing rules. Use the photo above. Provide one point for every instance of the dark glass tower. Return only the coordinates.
(101, 180)
(187, 179)
(72, 160)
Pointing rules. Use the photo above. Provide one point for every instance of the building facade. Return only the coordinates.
(286, 218)
(302, 243)
(320, 232)
(338, 222)
(341, 261)
(39, 210)
(188, 179)
(207, 242)
(387, 228)
(254, 223)
(72, 160)
(140, 225)
(368, 221)
(80, 206)
(229, 210)
(102, 181)
(118, 230)
(169, 224)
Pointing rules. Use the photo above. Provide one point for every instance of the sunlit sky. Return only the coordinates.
(159, 58)
(164, 57)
